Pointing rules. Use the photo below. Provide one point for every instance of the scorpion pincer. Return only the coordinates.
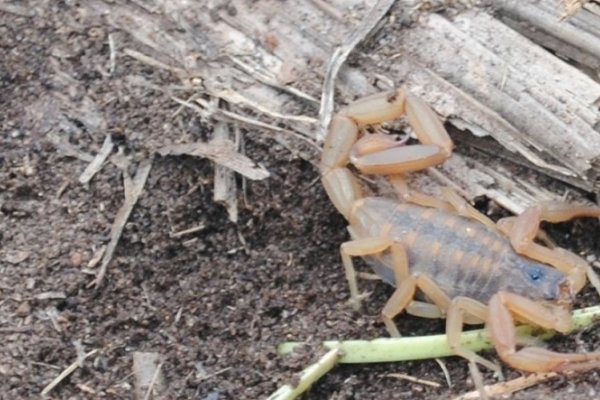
(461, 265)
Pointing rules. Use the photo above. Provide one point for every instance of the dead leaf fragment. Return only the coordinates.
(16, 256)
(220, 152)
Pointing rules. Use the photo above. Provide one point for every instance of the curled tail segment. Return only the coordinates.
(378, 153)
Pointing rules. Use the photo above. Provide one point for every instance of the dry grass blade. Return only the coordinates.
(341, 54)
(414, 379)
(68, 371)
(113, 54)
(133, 190)
(9, 330)
(225, 188)
(153, 62)
(96, 164)
(237, 98)
(188, 231)
(508, 387)
(220, 114)
(222, 153)
(262, 76)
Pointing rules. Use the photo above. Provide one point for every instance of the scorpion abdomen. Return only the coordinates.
(464, 257)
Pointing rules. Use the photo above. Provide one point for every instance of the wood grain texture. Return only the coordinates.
(268, 60)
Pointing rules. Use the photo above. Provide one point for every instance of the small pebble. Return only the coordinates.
(23, 310)
(76, 259)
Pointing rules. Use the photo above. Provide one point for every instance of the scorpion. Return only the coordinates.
(444, 257)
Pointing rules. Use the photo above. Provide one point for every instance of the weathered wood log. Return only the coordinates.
(571, 32)
(268, 60)
(527, 99)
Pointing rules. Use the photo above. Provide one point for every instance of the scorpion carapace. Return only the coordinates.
(459, 263)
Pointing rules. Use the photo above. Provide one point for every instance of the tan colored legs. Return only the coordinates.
(498, 314)
(405, 284)
(500, 323)
(462, 207)
(411, 196)
(459, 308)
(359, 248)
(524, 228)
(404, 294)
(424, 310)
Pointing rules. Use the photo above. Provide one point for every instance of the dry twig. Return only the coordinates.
(225, 187)
(133, 190)
(153, 62)
(188, 231)
(514, 385)
(222, 153)
(68, 371)
(96, 164)
(341, 54)
(413, 379)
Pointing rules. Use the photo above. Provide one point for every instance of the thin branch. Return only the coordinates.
(68, 371)
(96, 164)
(222, 153)
(133, 190)
(307, 377)
(514, 385)
(340, 55)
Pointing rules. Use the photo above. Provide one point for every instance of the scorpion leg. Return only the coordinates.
(505, 225)
(424, 310)
(403, 295)
(500, 323)
(405, 284)
(462, 207)
(524, 228)
(361, 248)
(460, 308)
(411, 196)
(453, 201)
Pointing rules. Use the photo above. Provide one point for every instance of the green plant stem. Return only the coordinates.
(309, 376)
(407, 348)
(425, 347)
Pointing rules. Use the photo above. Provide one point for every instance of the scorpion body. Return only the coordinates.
(446, 259)
(462, 256)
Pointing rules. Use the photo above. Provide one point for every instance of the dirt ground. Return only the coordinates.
(213, 304)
